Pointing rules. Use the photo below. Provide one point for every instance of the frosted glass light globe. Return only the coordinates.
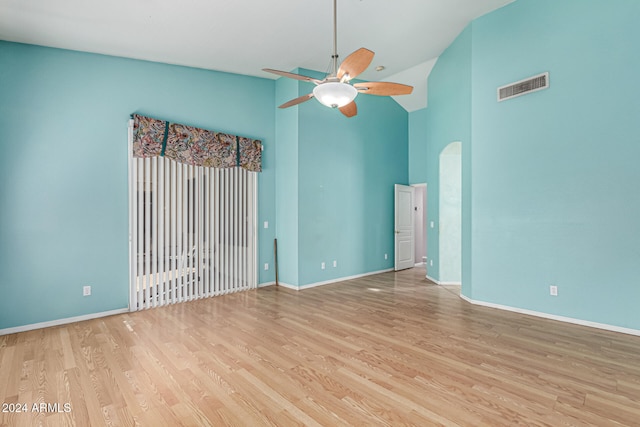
(335, 94)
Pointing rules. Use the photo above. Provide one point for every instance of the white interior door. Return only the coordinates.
(404, 227)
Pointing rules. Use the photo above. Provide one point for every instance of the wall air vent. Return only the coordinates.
(523, 87)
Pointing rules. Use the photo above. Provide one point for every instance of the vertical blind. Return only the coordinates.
(192, 229)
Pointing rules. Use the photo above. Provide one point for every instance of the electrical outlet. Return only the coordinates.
(386, 256)
(86, 291)
(266, 224)
(335, 263)
(430, 263)
(553, 290)
(322, 266)
(266, 265)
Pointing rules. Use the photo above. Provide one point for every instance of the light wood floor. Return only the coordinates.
(391, 349)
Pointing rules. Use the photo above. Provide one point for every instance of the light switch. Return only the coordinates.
(266, 224)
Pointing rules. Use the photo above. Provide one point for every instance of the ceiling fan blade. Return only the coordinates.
(355, 64)
(291, 75)
(383, 88)
(349, 110)
(297, 101)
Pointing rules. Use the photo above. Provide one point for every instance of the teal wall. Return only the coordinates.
(554, 200)
(448, 119)
(347, 168)
(63, 169)
(64, 221)
(555, 173)
(418, 146)
(417, 161)
(287, 181)
(555, 195)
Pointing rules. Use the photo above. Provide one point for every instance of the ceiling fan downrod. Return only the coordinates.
(334, 57)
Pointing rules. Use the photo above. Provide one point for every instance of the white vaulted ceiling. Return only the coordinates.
(245, 36)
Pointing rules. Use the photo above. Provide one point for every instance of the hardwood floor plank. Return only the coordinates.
(372, 390)
(392, 349)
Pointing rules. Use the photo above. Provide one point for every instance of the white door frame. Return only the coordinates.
(404, 227)
(424, 221)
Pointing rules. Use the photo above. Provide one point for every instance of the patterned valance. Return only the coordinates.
(194, 146)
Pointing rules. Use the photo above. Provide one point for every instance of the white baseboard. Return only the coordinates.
(264, 285)
(437, 282)
(327, 282)
(554, 317)
(284, 285)
(61, 321)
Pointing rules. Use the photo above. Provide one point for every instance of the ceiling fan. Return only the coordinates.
(335, 90)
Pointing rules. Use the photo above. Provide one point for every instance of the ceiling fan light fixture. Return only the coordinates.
(335, 91)
(335, 94)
